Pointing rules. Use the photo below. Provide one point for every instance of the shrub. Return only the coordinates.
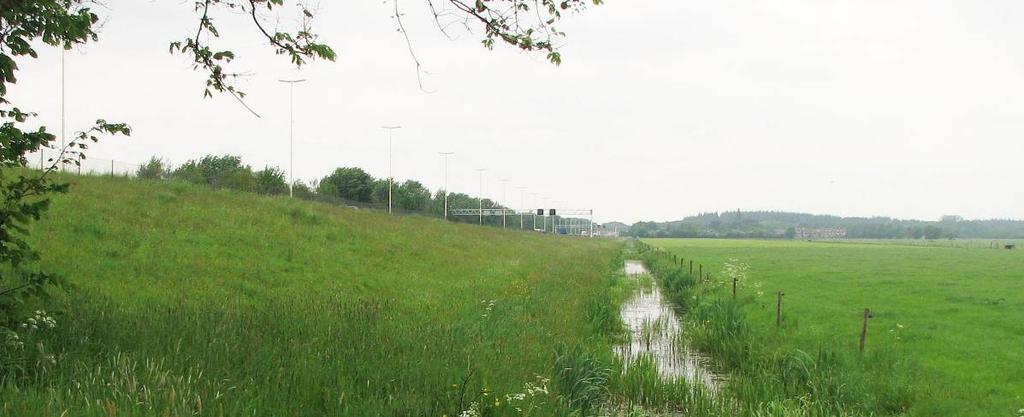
(413, 196)
(270, 180)
(219, 172)
(348, 183)
(154, 169)
(304, 191)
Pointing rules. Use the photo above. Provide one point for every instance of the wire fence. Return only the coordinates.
(85, 166)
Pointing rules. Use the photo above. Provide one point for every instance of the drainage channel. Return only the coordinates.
(654, 331)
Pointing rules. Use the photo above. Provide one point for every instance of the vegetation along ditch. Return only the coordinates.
(766, 376)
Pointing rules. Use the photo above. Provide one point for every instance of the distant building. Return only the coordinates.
(820, 233)
(604, 231)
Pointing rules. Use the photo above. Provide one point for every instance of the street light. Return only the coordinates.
(480, 196)
(391, 179)
(291, 133)
(504, 200)
(445, 155)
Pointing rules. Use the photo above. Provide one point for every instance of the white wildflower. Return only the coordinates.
(471, 411)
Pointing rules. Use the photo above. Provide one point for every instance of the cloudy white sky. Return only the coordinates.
(661, 109)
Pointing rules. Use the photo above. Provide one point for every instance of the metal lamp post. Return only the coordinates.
(291, 133)
(391, 178)
(445, 156)
(522, 206)
(480, 197)
(504, 200)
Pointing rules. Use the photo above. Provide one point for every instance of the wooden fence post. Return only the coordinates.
(734, 288)
(778, 310)
(691, 266)
(864, 329)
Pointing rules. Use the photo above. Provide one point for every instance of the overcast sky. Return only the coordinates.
(661, 109)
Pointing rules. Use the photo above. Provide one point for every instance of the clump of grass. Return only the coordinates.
(582, 378)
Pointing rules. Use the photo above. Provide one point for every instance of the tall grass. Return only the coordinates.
(190, 301)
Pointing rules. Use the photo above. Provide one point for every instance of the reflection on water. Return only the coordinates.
(654, 331)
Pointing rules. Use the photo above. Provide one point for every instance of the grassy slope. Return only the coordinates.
(962, 310)
(236, 304)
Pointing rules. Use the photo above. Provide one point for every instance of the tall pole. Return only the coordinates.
(504, 200)
(480, 197)
(291, 134)
(445, 155)
(544, 218)
(63, 131)
(534, 211)
(522, 207)
(391, 178)
(554, 219)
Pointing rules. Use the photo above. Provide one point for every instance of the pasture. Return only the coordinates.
(951, 318)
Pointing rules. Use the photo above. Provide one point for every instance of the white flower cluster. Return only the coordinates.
(1020, 413)
(11, 339)
(734, 269)
(488, 307)
(530, 390)
(39, 320)
(471, 412)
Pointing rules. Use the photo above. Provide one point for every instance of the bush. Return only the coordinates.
(413, 196)
(154, 169)
(218, 172)
(348, 183)
(271, 181)
(303, 190)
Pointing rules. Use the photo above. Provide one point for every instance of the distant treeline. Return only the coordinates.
(781, 225)
(344, 186)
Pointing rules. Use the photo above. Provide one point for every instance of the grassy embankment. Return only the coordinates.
(189, 301)
(944, 338)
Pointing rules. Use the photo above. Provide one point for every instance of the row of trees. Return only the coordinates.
(770, 224)
(354, 184)
(227, 172)
(350, 186)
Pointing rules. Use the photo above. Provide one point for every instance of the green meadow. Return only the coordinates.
(182, 300)
(946, 332)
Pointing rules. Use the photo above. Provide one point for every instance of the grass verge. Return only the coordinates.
(190, 301)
